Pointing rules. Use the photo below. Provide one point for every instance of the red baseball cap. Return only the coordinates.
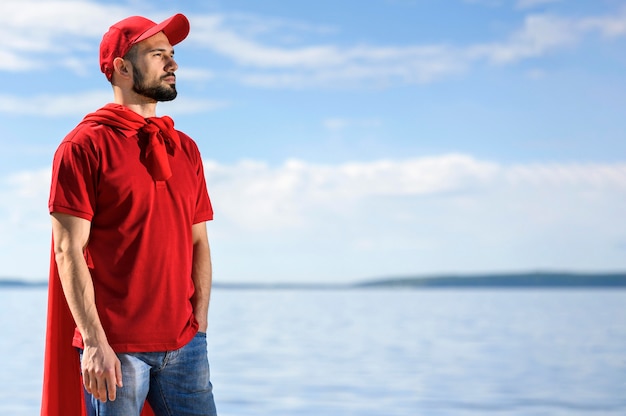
(125, 33)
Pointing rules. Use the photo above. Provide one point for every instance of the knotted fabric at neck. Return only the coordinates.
(162, 137)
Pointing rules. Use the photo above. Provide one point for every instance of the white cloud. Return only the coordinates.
(299, 185)
(270, 52)
(250, 53)
(338, 124)
(44, 34)
(544, 33)
(12, 61)
(287, 30)
(195, 74)
(539, 35)
(330, 65)
(436, 214)
(24, 224)
(322, 64)
(286, 194)
(81, 103)
(302, 220)
(335, 124)
(610, 26)
(526, 4)
(41, 34)
(519, 4)
(54, 105)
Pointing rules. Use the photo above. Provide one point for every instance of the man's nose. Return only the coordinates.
(171, 65)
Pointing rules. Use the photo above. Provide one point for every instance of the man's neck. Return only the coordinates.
(145, 107)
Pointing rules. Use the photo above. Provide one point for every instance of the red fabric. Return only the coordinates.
(162, 137)
(62, 385)
(159, 131)
(139, 252)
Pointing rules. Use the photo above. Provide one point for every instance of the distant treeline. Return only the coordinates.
(507, 280)
(496, 280)
(8, 283)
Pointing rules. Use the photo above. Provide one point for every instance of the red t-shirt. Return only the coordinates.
(140, 246)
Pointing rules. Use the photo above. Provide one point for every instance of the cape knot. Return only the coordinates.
(161, 138)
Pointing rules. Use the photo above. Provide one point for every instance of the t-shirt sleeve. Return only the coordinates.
(73, 185)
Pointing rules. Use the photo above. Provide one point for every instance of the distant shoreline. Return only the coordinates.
(17, 283)
(546, 280)
(508, 280)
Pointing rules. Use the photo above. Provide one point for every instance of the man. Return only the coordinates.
(130, 273)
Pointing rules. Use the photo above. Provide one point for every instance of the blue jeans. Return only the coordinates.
(175, 383)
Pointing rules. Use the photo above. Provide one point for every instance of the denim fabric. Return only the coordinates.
(175, 383)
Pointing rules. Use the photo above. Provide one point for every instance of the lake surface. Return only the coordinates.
(377, 352)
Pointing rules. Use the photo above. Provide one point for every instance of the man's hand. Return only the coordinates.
(202, 323)
(102, 371)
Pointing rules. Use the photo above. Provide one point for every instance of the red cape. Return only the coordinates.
(62, 384)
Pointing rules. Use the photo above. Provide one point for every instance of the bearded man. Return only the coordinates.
(130, 276)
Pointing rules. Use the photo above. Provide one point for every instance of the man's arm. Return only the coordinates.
(201, 274)
(100, 366)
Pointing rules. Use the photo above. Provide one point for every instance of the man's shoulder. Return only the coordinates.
(187, 142)
(184, 136)
(88, 133)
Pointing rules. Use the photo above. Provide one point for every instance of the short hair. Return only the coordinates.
(131, 55)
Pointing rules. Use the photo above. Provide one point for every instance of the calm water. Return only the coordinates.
(382, 352)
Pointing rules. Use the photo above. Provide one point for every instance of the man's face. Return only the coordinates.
(153, 69)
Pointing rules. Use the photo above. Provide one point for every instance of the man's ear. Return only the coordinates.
(122, 67)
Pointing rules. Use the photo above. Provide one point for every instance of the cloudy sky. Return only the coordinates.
(346, 140)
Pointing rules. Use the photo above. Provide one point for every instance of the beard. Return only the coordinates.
(155, 91)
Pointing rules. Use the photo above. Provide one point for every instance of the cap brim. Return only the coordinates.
(176, 28)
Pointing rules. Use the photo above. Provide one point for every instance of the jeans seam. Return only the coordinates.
(162, 396)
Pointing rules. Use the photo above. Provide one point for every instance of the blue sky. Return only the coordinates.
(349, 140)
